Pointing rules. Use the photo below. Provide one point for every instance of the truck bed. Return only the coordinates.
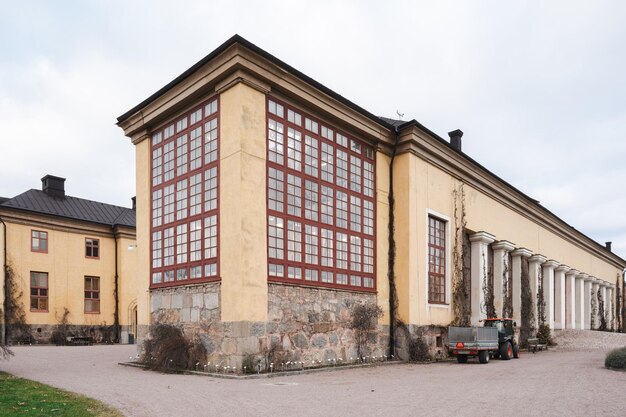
(481, 338)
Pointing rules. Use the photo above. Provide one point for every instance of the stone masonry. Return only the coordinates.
(304, 324)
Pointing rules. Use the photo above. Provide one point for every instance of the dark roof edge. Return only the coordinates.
(67, 217)
(238, 39)
(506, 183)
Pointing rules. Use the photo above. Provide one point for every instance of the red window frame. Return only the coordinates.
(174, 181)
(92, 248)
(39, 239)
(38, 292)
(92, 294)
(436, 260)
(286, 217)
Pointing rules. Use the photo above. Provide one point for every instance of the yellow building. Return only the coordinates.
(69, 254)
(263, 215)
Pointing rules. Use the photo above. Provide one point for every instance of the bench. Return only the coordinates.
(534, 345)
(80, 340)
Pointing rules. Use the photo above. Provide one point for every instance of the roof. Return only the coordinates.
(236, 39)
(389, 123)
(37, 201)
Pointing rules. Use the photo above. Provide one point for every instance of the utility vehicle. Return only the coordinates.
(495, 339)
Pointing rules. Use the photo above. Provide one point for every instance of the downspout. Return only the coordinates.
(5, 328)
(116, 314)
(391, 256)
(623, 312)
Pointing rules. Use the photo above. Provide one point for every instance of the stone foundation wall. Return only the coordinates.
(304, 324)
(436, 338)
(43, 333)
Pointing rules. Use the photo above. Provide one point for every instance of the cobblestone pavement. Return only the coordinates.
(553, 383)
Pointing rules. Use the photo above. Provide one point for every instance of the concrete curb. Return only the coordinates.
(280, 373)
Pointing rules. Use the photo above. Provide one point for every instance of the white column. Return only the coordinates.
(548, 290)
(559, 296)
(516, 273)
(588, 282)
(595, 287)
(570, 298)
(479, 242)
(534, 265)
(501, 251)
(580, 301)
(609, 306)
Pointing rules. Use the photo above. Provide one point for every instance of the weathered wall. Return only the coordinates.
(304, 324)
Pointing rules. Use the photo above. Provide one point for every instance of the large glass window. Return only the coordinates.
(185, 169)
(436, 260)
(38, 241)
(320, 200)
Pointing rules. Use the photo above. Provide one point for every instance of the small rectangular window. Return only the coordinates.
(92, 248)
(38, 241)
(92, 295)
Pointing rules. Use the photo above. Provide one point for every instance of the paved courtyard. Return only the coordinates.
(554, 383)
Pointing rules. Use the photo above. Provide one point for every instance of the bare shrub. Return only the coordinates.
(18, 331)
(166, 349)
(364, 316)
(249, 364)
(61, 333)
(418, 349)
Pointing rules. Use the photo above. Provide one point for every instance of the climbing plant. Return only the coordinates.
(594, 310)
(17, 328)
(507, 305)
(490, 309)
(527, 325)
(544, 333)
(601, 312)
(460, 279)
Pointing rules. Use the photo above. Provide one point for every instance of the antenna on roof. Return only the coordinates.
(400, 116)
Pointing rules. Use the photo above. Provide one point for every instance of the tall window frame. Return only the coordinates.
(92, 295)
(322, 171)
(39, 294)
(437, 260)
(184, 189)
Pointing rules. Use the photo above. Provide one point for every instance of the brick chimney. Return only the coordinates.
(455, 139)
(53, 186)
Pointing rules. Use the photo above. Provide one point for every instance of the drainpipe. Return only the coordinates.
(116, 314)
(621, 313)
(4, 335)
(391, 256)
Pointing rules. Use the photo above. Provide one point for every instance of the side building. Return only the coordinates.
(67, 267)
(265, 203)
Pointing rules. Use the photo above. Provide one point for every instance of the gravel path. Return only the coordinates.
(585, 340)
(553, 383)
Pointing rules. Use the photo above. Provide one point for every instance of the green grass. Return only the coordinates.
(22, 397)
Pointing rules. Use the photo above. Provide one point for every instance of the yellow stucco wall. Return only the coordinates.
(382, 233)
(422, 188)
(242, 223)
(142, 288)
(66, 266)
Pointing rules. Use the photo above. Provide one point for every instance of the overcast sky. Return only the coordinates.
(539, 88)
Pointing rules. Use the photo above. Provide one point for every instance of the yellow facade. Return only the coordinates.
(67, 266)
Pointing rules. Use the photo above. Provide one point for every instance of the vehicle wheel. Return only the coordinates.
(483, 356)
(516, 352)
(461, 358)
(506, 351)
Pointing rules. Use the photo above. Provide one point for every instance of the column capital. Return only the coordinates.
(537, 259)
(522, 252)
(595, 281)
(573, 272)
(562, 268)
(482, 237)
(551, 264)
(582, 276)
(503, 245)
